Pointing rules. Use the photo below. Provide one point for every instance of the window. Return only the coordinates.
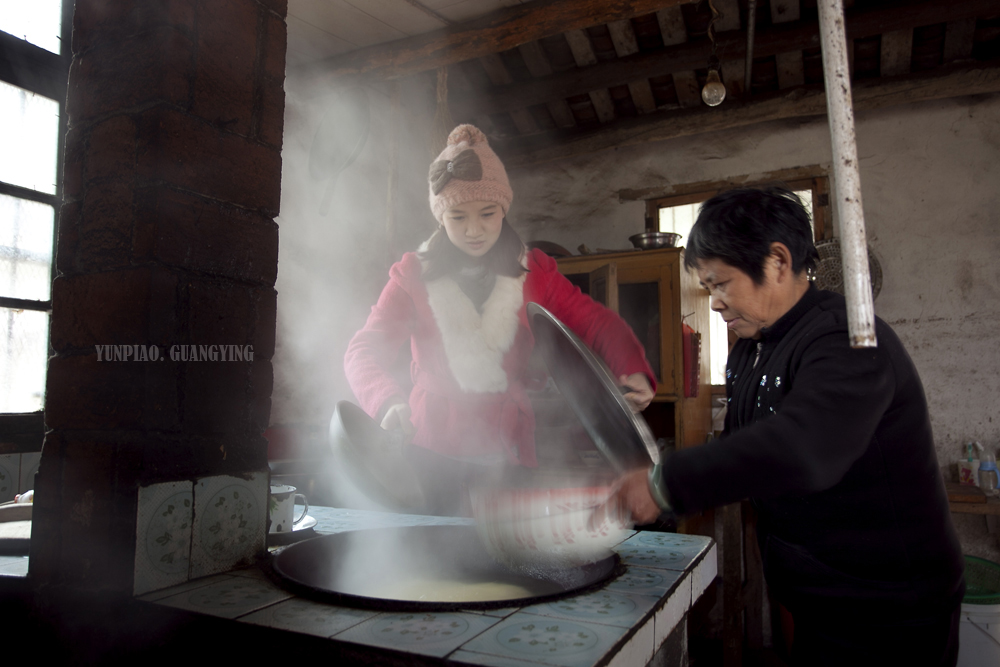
(677, 214)
(33, 67)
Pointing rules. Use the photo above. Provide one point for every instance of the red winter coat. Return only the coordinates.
(468, 368)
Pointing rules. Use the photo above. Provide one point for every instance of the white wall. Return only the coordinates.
(930, 177)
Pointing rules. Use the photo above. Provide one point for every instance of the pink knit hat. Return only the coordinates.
(468, 170)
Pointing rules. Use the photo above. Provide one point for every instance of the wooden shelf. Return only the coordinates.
(971, 500)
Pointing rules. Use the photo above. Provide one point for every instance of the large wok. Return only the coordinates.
(380, 568)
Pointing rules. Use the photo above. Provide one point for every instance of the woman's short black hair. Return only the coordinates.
(441, 257)
(738, 227)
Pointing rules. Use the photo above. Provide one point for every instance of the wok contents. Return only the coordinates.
(445, 590)
(419, 567)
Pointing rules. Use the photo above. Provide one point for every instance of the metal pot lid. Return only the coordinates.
(589, 386)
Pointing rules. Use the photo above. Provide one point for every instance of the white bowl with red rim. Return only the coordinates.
(549, 527)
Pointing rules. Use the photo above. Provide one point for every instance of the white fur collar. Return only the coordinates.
(474, 343)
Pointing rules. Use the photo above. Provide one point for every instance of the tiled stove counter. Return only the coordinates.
(624, 623)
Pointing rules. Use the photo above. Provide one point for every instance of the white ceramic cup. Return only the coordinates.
(282, 508)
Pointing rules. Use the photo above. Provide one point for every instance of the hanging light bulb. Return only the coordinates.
(714, 91)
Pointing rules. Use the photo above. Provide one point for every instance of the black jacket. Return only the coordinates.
(834, 447)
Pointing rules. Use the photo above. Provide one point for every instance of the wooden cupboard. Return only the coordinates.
(653, 292)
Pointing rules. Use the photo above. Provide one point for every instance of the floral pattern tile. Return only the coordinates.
(229, 598)
(10, 468)
(163, 535)
(674, 540)
(29, 466)
(308, 617)
(605, 606)
(427, 633)
(230, 522)
(186, 587)
(545, 640)
(645, 581)
(662, 550)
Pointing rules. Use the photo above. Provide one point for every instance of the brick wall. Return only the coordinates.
(167, 237)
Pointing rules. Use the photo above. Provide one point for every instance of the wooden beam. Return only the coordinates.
(800, 103)
(498, 74)
(502, 30)
(729, 15)
(538, 65)
(458, 83)
(673, 30)
(897, 52)
(791, 72)
(731, 46)
(583, 54)
(785, 11)
(672, 26)
(625, 43)
(686, 87)
(959, 38)
(733, 75)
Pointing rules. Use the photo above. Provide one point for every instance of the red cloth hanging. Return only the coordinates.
(691, 340)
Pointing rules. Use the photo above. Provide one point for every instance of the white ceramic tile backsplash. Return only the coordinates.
(163, 535)
(230, 518)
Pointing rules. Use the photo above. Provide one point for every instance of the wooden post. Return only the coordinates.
(847, 181)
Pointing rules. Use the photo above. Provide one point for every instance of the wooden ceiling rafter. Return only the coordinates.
(683, 57)
(502, 30)
(798, 103)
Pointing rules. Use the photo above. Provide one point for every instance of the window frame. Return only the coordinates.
(44, 73)
(819, 183)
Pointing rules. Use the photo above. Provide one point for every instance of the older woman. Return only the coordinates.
(832, 445)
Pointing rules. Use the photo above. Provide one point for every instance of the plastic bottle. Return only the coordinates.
(989, 479)
(968, 470)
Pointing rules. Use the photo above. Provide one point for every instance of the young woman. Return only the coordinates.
(460, 303)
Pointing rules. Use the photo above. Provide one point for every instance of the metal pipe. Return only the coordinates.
(751, 25)
(846, 179)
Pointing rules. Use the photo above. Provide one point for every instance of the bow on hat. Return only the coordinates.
(465, 167)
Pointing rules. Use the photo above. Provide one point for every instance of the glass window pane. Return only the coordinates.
(24, 348)
(25, 248)
(35, 21)
(679, 220)
(807, 201)
(639, 306)
(29, 139)
(719, 348)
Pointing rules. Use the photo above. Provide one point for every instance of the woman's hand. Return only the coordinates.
(633, 496)
(640, 393)
(397, 418)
